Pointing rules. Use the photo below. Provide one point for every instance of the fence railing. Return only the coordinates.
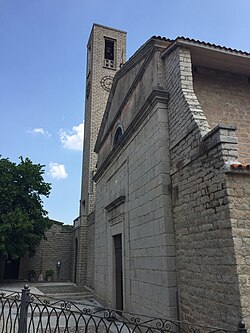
(30, 313)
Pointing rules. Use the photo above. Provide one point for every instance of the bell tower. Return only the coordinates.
(106, 53)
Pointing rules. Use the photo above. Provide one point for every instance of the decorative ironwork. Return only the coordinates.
(31, 313)
(10, 303)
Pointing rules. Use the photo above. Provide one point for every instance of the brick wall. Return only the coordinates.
(225, 98)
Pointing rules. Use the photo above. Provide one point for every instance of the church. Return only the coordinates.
(164, 222)
(164, 225)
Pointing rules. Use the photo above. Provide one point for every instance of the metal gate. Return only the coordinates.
(30, 313)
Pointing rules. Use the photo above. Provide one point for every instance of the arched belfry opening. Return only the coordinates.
(118, 135)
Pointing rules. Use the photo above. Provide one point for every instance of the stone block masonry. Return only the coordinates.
(56, 247)
(209, 251)
(225, 98)
(168, 192)
(95, 103)
(138, 174)
(90, 251)
(206, 262)
(238, 191)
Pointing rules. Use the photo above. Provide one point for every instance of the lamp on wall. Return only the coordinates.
(58, 265)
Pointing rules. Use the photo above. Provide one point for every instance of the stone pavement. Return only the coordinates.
(58, 290)
(85, 313)
(17, 286)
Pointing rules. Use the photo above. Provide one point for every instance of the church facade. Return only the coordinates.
(164, 222)
(169, 230)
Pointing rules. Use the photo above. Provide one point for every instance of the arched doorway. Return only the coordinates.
(11, 269)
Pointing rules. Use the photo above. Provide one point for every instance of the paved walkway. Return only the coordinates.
(37, 287)
(34, 286)
(86, 314)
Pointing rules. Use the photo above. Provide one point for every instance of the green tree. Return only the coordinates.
(23, 220)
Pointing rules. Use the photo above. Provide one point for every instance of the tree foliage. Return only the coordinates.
(23, 220)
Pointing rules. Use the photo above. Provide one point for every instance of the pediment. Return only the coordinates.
(124, 85)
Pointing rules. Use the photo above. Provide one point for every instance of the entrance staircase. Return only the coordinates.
(64, 290)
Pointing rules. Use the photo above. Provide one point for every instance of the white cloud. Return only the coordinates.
(72, 139)
(57, 171)
(39, 130)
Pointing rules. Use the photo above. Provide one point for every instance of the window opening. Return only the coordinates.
(118, 135)
(109, 53)
(88, 59)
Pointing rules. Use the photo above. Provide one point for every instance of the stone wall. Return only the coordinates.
(95, 104)
(56, 247)
(152, 255)
(139, 172)
(184, 110)
(225, 99)
(79, 251)
(169, 190)
(206, 263)
(238, 191)
(210, 291)
(141, 77)
(90, 251)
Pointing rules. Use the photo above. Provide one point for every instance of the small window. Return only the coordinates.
(118, 135)
(109, 53)
(89, 59)
(83, 208)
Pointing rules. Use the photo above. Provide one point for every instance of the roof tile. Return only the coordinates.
(240, 166)
(201, 43)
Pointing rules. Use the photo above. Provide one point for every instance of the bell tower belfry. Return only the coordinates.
(106, 53)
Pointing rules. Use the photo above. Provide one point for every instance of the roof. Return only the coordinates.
(210, 55)
(203, 43)
(240, 166)
(106, 27)
(203, 54)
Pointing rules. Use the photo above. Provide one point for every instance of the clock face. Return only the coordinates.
(106, 82)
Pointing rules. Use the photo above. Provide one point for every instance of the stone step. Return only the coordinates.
(70, 296)
(60, 288)
(64, 291)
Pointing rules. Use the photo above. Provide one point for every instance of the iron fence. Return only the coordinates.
(30, 313)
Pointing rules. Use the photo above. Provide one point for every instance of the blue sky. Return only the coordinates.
(42, 71)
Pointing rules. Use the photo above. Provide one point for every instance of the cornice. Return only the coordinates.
(148, 56)
(117, 202)
(156, 96)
